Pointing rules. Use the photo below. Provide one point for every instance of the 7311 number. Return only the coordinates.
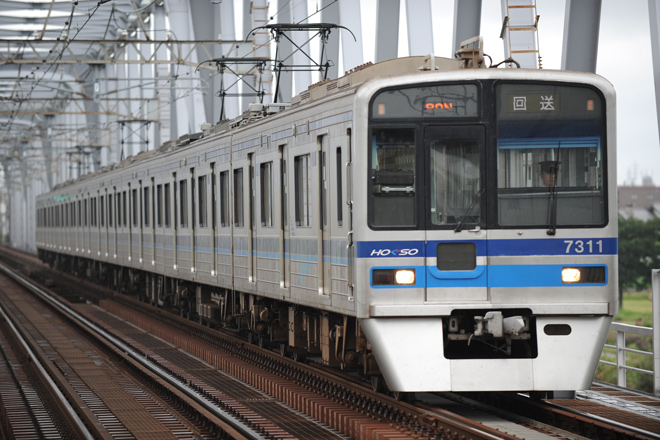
(581, 246)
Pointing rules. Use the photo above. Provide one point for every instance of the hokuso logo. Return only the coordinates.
(394, 252)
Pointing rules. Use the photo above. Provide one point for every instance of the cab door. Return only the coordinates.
(455, 213)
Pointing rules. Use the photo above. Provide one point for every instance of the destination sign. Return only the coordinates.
(445, 101)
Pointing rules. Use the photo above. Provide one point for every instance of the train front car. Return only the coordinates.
(488, 258)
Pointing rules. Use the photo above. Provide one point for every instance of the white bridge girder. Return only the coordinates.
(581, 29)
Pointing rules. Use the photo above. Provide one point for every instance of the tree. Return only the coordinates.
(639, 252)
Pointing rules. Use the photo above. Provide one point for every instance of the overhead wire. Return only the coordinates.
(38, 80)
(113, 17)
(282, 9)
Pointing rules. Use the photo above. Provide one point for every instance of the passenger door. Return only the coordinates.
(455, 212)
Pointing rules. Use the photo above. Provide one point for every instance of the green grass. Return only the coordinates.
(637, 309)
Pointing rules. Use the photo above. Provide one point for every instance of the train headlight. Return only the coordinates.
(584, 275)
(404, 276)
(570, 275)
(393, 277)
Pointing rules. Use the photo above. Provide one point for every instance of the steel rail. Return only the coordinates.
(74, 420)
(140, 358)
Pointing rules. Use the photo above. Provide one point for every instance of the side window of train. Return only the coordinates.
(124, 210)
(214, 197)
(224, 198)
(301, 189)
(284, 189)
(202, 201)
(266, 189)
(102, 209)
(166, 205)
(110, 211)
(159, 206)
(238, 198)
(340, 205)
(324, 189)
(118, 209)
(145, 205)
(93, 213)
(251, 190)
(134, 205)
(193, 200)
(183, 203)
(175, 202)
(85, 212)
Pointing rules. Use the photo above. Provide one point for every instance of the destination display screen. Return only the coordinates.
(547, 101)
(438, 101)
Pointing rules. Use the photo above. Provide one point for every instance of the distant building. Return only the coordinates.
(640, 202)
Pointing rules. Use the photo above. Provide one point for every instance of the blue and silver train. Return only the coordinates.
(441, 227)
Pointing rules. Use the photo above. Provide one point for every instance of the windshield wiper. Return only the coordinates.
(552, 198)
(476, 199)
(552, 210)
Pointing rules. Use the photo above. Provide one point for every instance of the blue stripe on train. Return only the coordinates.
(494, 248)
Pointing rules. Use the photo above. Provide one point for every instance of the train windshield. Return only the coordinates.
(454, 156)
(455, 174)
(393, 177)
(549, 156)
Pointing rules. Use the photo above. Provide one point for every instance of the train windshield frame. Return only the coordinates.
(494, 153)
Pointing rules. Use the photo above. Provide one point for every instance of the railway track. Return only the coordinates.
(555, 418)
(114, 398)
(279, 397)
(33, 406)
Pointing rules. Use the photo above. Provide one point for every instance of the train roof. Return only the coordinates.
(360, 74)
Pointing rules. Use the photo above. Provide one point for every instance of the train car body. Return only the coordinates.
(451, 229)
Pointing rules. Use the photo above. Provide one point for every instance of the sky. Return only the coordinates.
(624, 59)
